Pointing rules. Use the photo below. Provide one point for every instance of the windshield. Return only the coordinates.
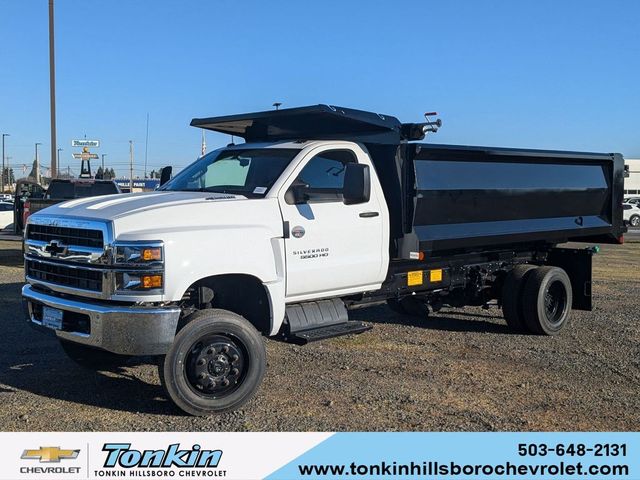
(249, 172)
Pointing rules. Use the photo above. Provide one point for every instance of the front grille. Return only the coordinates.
(68, 236)
(81, 278)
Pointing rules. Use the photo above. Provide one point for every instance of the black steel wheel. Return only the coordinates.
(547, 299)
(215, 364)
(512, 297)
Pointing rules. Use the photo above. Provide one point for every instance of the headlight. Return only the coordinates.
(138, 253)
(138, 267)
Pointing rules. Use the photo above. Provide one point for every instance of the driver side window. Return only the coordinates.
(324, 174)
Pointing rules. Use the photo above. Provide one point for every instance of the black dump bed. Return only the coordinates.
(445, 198)
(471, 197)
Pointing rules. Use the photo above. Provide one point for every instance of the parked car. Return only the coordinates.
(61, 190)
(26, 190)
(632, 200)
(631, 214)
(6, 197)
(6, 214)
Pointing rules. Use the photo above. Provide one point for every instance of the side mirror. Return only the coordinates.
(297, 193)
(357, 184)
(165, 174)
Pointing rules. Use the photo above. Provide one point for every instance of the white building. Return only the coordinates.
(632, 182)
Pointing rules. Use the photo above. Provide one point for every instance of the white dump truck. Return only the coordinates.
(322, 210)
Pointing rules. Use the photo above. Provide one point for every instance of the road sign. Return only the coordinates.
(85, 143)
(85, 156)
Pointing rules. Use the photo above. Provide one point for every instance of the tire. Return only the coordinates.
(410, 306)
(546, 300)
(93, 358)
(634, 221)
(215, 364)
(512, 297)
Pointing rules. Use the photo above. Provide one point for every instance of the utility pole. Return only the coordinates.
(130, 166)
(37, 164)
(103, 163)
(52, 93)
(2, 176)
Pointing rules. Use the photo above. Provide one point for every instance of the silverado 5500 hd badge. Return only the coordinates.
(311, 253)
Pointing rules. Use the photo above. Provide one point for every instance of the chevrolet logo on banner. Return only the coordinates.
(49, 454)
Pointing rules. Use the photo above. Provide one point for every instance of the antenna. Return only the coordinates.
(203, 145)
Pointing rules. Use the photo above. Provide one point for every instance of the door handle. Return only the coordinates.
(369, 214)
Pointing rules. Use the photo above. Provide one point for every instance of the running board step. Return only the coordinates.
(310, 315)
(313, 321)
(303, 337)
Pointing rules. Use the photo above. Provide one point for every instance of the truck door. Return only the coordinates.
(332, 248)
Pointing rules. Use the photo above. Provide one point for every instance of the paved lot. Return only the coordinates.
(458, 370)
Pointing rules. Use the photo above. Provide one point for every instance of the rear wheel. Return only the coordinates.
(546, 300)
(215, 364)
(512, 297)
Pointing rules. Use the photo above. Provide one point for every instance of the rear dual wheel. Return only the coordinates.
(537, 299)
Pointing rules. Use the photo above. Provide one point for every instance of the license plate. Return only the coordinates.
(52, 318)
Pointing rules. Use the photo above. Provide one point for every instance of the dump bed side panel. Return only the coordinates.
(470, 197)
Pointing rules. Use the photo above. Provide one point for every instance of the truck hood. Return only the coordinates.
(112, 207)
(163, 215)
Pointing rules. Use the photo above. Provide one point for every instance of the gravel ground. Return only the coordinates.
(458, 370)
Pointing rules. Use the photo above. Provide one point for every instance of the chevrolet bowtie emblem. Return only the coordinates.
(55, 248)
(50, 454)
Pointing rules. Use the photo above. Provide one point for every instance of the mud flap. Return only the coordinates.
(577, 263)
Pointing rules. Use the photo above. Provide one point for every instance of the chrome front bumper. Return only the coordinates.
(127, 330)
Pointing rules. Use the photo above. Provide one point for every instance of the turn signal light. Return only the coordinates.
(151, 281)
(149, 254)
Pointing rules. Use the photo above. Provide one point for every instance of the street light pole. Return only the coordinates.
(2, 176)
(37, 164)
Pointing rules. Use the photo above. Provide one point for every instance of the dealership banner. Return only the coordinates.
(245, 456)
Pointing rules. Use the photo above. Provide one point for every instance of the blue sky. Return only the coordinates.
(540, 74)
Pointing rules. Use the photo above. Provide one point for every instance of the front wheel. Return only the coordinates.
(215, 364)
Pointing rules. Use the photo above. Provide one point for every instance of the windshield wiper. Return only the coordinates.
(215, 190)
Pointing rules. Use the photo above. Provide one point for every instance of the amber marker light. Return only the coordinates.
(151, 281)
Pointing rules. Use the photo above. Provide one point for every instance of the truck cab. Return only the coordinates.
(321, 210)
